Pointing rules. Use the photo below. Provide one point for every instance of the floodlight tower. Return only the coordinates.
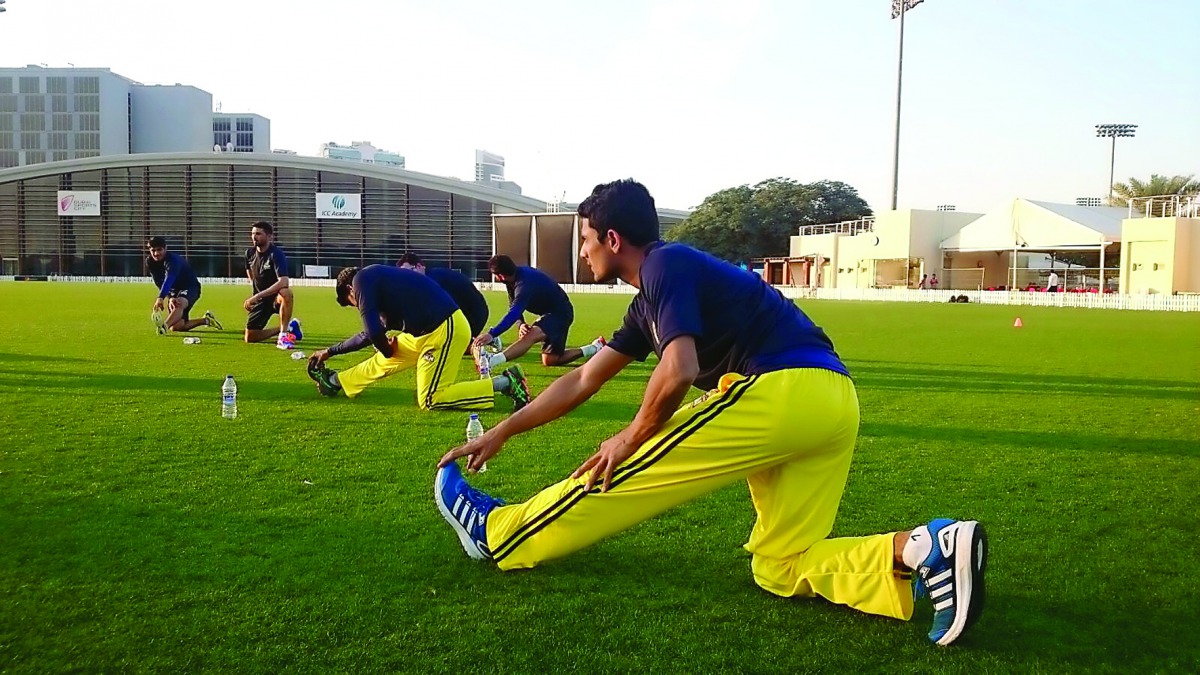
(1114, 131)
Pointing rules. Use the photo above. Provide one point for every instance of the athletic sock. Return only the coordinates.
(917, 548)
(496, 360)
(589, 350)
(500, 383)
(334, 379)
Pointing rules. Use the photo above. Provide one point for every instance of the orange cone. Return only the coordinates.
(1017, 323)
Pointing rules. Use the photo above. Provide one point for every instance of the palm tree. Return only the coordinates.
(1157, 186)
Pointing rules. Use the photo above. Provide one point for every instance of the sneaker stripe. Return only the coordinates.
(677, 435)
(945, 604)
(458, 504)
(937, 593)
(940, 577)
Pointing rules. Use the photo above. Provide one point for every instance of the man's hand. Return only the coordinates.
(612, 452)
(158, 304)
(318, 357)
(481, 340)
(394, 343)
(479, 450)
(249, 302)
(522, 330)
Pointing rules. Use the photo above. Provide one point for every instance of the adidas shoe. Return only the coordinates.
(466, 509)
(951, 574)
(286, 341)
(518, 387)
(212, 320)
(324, 379)
(294, 329)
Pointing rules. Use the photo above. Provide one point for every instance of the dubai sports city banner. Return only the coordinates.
(76, 203)
(339, 206)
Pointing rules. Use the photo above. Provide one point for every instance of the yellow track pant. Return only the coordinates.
(790, 434)
(436, 356)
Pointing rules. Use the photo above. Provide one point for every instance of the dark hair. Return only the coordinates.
(264, 226)
(345, 279)
(156, 242)
(409, 259)
(624, 206)
(503, 265)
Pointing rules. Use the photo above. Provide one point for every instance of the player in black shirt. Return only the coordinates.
(468, 298)
(267, 268)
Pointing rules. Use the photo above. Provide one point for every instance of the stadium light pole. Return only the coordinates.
(1114, 131)
(899, 9)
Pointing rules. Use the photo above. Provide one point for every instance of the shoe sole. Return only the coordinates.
(969, 585)
(464, 537)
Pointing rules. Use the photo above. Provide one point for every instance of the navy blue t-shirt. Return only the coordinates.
(173, 274)
(461, 290)
(389, 298)
(740, 324)
(534, 291)
(265, 268)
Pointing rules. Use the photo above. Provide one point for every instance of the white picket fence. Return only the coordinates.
(1169, 303)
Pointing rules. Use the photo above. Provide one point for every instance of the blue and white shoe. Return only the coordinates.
(466, 509)
(294, 329)
(952, 575)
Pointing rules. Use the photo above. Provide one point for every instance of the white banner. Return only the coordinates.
(339, 206)
(73, 203)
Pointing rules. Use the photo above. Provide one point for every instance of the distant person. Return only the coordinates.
(1052, 283)
(468, 298)
(178, 288)
(267, 268)
(933, 282)
(532, 290)
(924, 283)
(433, 334)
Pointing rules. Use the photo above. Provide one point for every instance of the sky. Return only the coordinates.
(1000, 97)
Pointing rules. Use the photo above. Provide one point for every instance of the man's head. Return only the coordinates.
(345, 291)
(503, 268)
(617, 219)
(262, 234)
(157, 248)
(411, 261)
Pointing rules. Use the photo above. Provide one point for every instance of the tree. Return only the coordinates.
(1157, 186)
(747, 222)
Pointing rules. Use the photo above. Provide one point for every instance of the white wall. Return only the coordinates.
(168, 118)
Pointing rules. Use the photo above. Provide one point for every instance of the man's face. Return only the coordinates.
(419, 267)
(260, 237)
(597, 252)
(157, 253)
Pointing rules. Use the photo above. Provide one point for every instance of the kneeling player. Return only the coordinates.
(433, 333)
(179, 289)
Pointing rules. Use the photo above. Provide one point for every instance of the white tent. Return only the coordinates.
(1028, 225)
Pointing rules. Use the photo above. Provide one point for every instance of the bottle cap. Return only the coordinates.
(474, 416)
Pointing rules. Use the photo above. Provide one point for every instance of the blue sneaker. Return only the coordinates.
(294, 329)
(466, 509)
(952, 575)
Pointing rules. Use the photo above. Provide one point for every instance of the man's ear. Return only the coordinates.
(613, 240)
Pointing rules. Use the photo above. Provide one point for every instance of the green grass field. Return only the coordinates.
(140, 531)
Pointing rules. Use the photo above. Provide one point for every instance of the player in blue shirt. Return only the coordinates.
(432, 334)
(464, 293)
(781, 413)
(178, 289)
(532, 290)
(267, 269)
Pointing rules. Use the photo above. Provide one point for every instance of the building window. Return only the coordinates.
(245, 124)
(57, 141)
(221, 124)
(87, 103)
(89, 123)
(7, 142)
(35, 103)
(35, 157)
(31, 140)
(222, 139)
(245, 141)
(33, 122)
(60, 156)
(87, 142)
(8, 103)
(6, 85)
(31, 85)
(56, 85)
(87, 153)
(6, 123)
(9, 158)
(59, 103)
(60, 122)
(86, 85)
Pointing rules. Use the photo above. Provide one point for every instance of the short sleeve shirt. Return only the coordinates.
(265, 268)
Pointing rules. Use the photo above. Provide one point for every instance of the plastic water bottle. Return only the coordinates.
(475, 430)
(191, 340)
(296, 356)
(485, 364)
(229, 398)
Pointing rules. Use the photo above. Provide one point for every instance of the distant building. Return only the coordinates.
(362, 151)
(1089, 201)
(241, 132)
(489, 171)
(946, 207)
(57, 114)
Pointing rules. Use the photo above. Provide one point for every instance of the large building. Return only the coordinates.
(241, 132)
(58, 114)
(91, 216)
(362, 151)
(489, 171)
